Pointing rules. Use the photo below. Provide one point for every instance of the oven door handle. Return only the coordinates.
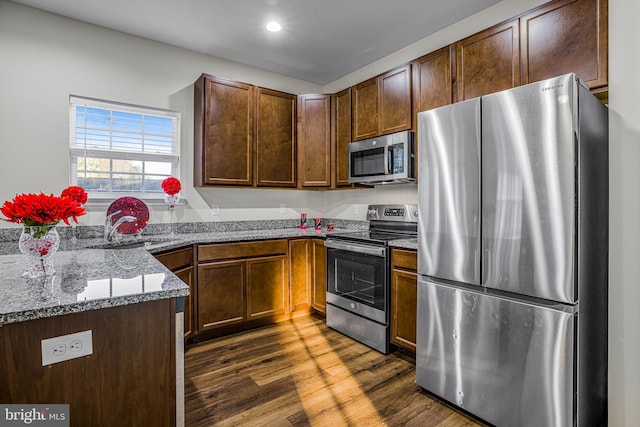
(361, 249)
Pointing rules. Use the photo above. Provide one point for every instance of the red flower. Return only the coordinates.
(171, 186)
(75, 193)
(40, 209)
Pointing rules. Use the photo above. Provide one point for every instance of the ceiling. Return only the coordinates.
(321, 40)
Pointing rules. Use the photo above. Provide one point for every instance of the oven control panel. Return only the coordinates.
(405, 213)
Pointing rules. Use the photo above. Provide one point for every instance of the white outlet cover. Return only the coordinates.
(66, 347)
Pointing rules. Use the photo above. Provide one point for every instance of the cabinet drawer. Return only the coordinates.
(222, 251)
(406, 259)
(176, 259)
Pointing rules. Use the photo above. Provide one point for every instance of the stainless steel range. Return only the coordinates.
(358, 278)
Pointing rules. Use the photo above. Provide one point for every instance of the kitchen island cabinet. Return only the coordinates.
(129, 303)
(404, 298)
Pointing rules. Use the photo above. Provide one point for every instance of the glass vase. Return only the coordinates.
(171, 201)
(39, 243)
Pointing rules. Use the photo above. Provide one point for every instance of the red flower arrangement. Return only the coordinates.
(44, 211)
(171, 186)
(75, 193)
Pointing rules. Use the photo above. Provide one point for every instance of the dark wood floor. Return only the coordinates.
(301, 373)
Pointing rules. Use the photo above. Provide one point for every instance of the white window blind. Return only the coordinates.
(118, 148)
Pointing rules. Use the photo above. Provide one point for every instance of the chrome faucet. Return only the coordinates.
(110, 228)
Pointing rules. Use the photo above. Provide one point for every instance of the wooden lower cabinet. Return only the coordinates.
(186, 275)
(267, 281)
(180, 262)
(221, 294)
(319, 276)
(404, 298)
(241, 285)
(300, 274)
(308, 258)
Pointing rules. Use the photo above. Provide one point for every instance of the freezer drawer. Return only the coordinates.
(509, 362)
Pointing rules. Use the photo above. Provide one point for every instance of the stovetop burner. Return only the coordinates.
(386, 223)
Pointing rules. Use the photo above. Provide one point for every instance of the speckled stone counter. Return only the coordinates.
(404, 243)
(85, 280)
(91, 275)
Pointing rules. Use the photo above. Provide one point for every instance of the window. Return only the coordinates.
(119, 148)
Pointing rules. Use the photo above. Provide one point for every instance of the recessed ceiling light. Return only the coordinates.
(274, 27)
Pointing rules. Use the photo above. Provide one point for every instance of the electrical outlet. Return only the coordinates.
(215, 209)
(356, 209)
(66, 347)
(283, 208)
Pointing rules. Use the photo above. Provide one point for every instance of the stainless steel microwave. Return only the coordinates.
(382, 160)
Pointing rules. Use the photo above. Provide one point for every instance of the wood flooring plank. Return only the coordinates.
(301, 373)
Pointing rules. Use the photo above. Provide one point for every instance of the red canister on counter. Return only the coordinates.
(317, 224)
(303, 221)
(330, 227)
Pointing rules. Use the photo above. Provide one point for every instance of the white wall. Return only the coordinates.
(45, 58)
(624, 211)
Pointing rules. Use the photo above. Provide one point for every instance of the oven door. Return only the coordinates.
(357, 278)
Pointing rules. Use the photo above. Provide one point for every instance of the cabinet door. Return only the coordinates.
(488, 61)
(404, 297)
(342, 137)
(186, 275)
(319, 291)
(364, 110)
(221, 294)
(223, 133)
(275, 138)
(267, 285)
(432, 81)
(299, 274)
(395, 100)
(314, 140)
(564, 37)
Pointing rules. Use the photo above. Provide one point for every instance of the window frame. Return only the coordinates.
(76, 153)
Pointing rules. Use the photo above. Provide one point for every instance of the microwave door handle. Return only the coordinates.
(388, 154)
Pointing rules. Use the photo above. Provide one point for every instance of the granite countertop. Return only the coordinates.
(85, 279)
(90, 275)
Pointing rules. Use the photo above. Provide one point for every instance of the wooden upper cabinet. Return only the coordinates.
(314, 140)
(342, 129)
(364, 109)
(223, 132)
(395, 100)
(432, 81)
(488, 61)
(564, 37)
(382, 104)
(275, 138)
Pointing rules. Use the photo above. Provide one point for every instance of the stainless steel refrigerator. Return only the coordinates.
(513, 255)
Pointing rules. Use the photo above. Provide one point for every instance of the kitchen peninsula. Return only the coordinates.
(130, 303)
